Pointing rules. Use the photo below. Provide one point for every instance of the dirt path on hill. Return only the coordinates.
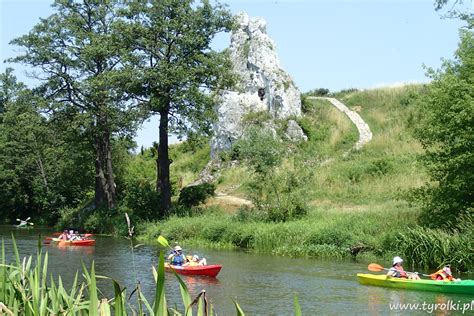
(365, 134)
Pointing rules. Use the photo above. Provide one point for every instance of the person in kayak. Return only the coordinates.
(194, 261)
(443, 274)
(177, 257)
(64, 235)
(397, 271)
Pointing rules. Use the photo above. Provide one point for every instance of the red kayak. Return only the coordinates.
(209, 270)
(83, 242)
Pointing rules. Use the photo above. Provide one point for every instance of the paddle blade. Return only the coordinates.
(162, 240)
(375, 267)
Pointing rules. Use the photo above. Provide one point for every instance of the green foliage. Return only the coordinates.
(446, 116)
(40, 171)
(433, 248)
(262, 150)
(458, 9)
(175, 70)
(320, 92)
(343, 93)
(141, 199)
(256, 118)
(75, 50)
(92, 219)
(194, 195)
(372, 168)
(275, 193)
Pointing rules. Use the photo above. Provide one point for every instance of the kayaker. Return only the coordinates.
(397, 271)
(64, 235)
(195, 261)
(443, 274)
(177, 257)
(77, 236)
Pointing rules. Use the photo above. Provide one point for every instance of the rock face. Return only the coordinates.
(263, 85)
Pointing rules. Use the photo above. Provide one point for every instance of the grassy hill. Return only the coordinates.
(356, 200)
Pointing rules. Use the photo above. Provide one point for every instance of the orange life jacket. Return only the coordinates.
(441, 275)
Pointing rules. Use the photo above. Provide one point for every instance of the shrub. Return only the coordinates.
(318, 92)
(196, 194)
(141, 199)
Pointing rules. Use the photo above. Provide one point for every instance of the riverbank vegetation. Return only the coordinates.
(27, 289)
(67, 155)
(355, 201)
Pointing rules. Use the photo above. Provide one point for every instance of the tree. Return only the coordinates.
(461, 9)
(174, 68)
(75, 52)
(38, 173)
(446, 131)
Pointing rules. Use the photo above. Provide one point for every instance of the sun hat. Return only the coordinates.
(447, 269)
(178, 248)
(396, 260)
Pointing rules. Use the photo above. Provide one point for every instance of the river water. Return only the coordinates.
(261, 284)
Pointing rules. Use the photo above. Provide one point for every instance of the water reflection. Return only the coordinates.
(79, 250)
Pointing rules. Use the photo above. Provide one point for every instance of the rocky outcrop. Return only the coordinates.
(263, 85)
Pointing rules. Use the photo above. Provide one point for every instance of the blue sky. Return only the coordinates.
(334, 44)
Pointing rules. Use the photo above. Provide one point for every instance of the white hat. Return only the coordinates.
(177, 248)
(396, 260)
(196, 257)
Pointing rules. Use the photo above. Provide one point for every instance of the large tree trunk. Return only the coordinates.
(105, 195)
(164, 164)
(111, 196)
(157, 161)
(99, 198)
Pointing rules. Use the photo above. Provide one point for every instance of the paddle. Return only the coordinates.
(24, 222)
(162, 240)
(377, 267)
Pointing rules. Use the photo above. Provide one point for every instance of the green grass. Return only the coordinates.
(355, 200)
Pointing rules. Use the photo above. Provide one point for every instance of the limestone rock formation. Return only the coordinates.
(263, 84)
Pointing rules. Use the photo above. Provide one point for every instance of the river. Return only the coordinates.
(261, 284)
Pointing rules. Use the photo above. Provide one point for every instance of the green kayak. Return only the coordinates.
(458, 287)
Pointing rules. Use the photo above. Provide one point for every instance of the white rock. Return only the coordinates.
(294, 132)
(256, 62)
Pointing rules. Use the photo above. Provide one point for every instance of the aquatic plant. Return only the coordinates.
(433, 248)
(25, 290)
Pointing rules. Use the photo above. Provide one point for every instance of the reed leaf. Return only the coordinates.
(119, 302)
(15, 250)
(296, 305)
(185, 296)
(104, 308)
(3, 274)
(162, 240)
(92, 286)
(147, 305)
(240, 312)
(159, 305)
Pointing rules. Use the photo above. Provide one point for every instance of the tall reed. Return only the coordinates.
(433, 248)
